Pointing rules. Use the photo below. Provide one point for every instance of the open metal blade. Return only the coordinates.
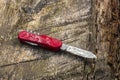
(78, 51)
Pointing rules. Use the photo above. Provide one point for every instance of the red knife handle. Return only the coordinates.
(40, 40)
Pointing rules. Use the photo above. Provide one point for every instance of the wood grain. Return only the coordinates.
(80, 23)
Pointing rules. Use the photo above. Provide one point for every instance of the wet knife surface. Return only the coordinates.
(52, 44)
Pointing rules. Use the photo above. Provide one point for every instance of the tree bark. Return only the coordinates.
(92, 25)
(108, 34)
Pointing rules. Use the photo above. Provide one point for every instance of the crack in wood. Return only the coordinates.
(19, 63)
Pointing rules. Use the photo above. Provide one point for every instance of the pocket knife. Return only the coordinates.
(51, 43)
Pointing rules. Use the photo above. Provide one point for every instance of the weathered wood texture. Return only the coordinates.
(108, 38)
(91, 25)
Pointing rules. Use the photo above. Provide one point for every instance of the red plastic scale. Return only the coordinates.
(40, 40)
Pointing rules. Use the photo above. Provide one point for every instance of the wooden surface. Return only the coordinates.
(80, 23)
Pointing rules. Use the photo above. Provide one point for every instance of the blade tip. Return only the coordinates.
(95, 57)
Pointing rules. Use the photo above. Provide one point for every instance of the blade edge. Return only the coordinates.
(78, 51)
